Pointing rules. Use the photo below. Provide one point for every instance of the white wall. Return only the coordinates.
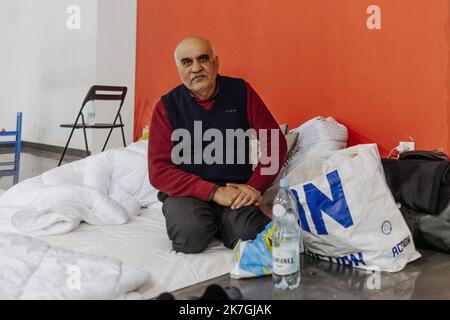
(116, 56)
(14, 23)
(46, 69)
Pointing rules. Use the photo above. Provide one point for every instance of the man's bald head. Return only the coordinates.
(197, 66)
(194, 40)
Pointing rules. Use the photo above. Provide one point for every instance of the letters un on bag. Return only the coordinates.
(318, 202)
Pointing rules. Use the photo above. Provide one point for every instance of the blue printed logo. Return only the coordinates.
(318, 203)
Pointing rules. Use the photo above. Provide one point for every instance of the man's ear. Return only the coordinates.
(216, 59)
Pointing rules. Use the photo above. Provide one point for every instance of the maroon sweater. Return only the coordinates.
(166, 177)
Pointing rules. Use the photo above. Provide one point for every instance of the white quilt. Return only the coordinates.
(32, 269)
(104, 189)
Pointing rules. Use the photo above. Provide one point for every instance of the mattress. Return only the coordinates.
(144, 243)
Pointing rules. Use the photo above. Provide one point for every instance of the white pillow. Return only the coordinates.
(317, 134)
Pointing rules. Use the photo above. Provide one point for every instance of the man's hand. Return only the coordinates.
(225, 196)
(248, 195)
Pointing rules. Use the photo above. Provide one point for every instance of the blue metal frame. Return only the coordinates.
(17, 149)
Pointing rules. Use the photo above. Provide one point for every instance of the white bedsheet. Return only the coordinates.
(144, 243)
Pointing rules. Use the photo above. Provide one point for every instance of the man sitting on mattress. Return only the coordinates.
(199, 153)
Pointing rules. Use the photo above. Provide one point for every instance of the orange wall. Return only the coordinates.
(308, 58)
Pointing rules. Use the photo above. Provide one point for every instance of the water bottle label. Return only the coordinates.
(278, 210)
(285, 261)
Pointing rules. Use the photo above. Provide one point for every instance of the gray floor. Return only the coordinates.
(426, 278)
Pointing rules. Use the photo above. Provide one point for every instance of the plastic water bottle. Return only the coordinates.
(285, 240)
(89, 113)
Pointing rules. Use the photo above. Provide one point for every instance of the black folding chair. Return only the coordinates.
(115, 93)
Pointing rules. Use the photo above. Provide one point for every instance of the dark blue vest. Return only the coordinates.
(229, 111)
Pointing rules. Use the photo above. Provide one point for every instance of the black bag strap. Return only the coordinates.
(423, 155)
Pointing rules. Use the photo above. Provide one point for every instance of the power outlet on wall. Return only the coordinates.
(405, 146)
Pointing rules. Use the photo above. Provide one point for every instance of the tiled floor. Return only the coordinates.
(426, 278)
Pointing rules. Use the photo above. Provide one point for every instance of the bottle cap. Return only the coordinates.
(284, 183)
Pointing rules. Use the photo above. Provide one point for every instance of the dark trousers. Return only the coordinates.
(192, 223)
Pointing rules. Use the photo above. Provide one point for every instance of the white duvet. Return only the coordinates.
(32, 269)
(104, 189)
